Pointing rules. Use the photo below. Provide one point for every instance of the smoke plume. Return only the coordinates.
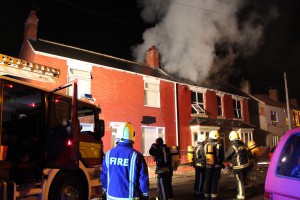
(199, 40)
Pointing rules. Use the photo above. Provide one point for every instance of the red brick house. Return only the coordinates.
(155, 102)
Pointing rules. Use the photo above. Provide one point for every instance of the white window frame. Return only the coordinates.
(198, 106)
(237, 111)
(149, 135)
(152, 95)
(220, 106)
(274, 114)
(81, 71)
(114, 127)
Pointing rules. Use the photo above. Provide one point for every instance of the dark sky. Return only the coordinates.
(113, 26)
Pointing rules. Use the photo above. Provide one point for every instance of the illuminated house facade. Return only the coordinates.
(155, 102)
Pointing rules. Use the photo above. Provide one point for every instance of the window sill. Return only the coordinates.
(199, 115)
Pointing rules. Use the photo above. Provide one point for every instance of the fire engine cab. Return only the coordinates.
(50, 143)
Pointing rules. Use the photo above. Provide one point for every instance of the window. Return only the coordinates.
(246, 136)
(197, 100)
(81, 72)
(114, 127)
(275, 140)
(149, 135)
(151, 92)
(219, 102)
(237, 109)
(274, 116)
(289, 158)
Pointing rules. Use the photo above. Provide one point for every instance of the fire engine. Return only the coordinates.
(50, 142)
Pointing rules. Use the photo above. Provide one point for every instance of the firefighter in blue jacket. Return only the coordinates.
(124, 173)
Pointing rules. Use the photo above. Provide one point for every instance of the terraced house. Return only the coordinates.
(157, 103)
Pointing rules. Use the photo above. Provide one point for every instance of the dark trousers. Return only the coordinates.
(212, 178)
(199, 180)
(240, 178)
(164, 185)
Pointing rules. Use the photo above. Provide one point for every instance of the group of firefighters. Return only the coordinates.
(208, 157)
(125, 176)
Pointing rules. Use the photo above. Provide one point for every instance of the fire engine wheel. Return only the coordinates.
(66, 187)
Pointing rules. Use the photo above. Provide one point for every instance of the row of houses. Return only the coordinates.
(157, 103)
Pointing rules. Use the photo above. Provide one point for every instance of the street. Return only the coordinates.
(183, 182)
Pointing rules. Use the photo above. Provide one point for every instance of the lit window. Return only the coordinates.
(237, 109)
(274, 116)
(151, 93)
(197, 100)
(149, 135)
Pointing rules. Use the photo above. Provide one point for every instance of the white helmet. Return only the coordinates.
(214, 134)
(125, 133)
(201, 137)
(233, 135)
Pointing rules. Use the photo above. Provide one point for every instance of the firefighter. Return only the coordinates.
(199, 165)
(214, 154)
(253, 152)
(238, 154)
(162, 156)
(124, 170)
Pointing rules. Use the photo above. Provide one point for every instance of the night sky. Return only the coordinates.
(227, 42)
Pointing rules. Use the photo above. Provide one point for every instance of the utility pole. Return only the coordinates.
(287, 102)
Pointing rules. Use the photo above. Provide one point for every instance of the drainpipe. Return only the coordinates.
(176, 112)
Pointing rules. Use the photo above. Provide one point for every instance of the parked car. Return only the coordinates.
(283, 176)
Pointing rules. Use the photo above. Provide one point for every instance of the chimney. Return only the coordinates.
(31, 26)
(274, 94)
(294, 102)
(246, 86)
(152, 57)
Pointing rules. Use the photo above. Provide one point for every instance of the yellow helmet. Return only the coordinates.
(201, 137)
(251, 144)
(213, 135)
(233, 135)
(125, 133)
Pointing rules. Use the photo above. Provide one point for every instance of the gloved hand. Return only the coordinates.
(144, 197)
(103, 197)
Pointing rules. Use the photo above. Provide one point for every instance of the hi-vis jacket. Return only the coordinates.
(124, 173)
(238, 154)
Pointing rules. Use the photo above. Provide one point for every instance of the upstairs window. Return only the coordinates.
(237, 109)
(151, 92)
(274, 116)
(220, 106)
(197, 100)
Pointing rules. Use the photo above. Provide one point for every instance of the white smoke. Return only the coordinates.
(186, 32)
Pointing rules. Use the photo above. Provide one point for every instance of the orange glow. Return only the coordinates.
(69, 142)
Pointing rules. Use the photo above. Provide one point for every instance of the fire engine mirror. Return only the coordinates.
(101, 128)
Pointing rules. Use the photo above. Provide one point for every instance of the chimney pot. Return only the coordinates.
(31, 26)
(274, 94)
(152, 57)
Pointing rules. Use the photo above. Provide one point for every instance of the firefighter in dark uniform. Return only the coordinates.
(124, 170)
(199, 165)
(238, 154)
(214, 153)
(162, 155)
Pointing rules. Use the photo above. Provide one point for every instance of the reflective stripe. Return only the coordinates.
(131, 174)
(107, 166)
(165, 155)
(117, 198)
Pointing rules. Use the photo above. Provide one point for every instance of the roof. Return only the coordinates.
(266, 99)
(121, 64)
(96, 58)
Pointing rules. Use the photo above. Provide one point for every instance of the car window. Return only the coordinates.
(289, 162)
